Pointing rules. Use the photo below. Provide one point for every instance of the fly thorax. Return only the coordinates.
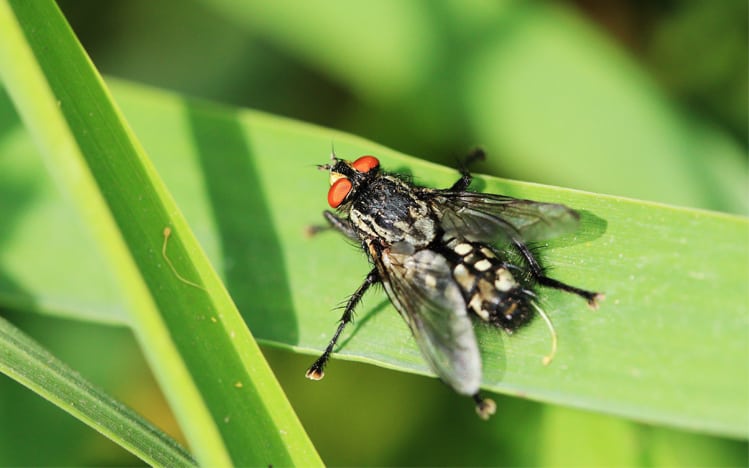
(488, 285)
(392, 212)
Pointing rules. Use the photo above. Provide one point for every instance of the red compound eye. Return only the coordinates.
(365, 164)
(338, 192)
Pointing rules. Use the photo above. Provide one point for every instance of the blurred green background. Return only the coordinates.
(635, 98)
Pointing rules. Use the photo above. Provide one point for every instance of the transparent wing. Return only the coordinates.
(421, 287)
(486, 217)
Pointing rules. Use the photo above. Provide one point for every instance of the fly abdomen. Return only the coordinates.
(488, 286)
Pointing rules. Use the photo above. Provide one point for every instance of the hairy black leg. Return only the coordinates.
(316, 370)
(334, 222)
(485, 407)
(538, 274)
(465, 179)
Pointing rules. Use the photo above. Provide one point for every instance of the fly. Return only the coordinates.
(443, 257)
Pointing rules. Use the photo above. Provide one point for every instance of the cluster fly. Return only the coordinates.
(443, 257)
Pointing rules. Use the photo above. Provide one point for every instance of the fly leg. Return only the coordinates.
(465, 175)
(538, 273)
(316, 370)
(485, 407)
(334, 222)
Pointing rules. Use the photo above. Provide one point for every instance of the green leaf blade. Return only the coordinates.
(649, 353)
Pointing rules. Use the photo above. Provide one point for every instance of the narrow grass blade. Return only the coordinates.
(25, 361)
(225, 397)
